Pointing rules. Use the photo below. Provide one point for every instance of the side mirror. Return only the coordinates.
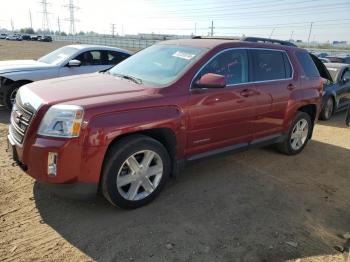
(211, 81)
(74, 63)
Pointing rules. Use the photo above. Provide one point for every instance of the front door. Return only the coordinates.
(220, 117)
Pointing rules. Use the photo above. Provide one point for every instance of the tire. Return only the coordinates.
(129, 184)
(289, 145)
(10, 92)
(327, 109)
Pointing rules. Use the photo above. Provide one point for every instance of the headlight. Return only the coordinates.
(62, 121)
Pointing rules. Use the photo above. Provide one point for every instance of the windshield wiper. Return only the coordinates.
(131, 78)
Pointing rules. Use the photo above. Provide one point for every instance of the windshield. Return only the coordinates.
(158, 65)
(58, 56)
(333, 71)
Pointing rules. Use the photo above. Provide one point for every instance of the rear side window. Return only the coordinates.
(307, 64)
(114, 57)
(270, 65)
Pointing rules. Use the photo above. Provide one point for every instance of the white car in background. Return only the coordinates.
(65, 61)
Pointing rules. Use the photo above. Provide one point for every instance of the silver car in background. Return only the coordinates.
(65, 61)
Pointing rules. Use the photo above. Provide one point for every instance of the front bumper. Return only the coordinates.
(78, 168)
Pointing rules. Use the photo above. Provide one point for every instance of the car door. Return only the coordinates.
(271, 71)
(343, 91)
(221, 117)
(91, 61)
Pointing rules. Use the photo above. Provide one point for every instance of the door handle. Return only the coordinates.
(291, 87)
(247, 92)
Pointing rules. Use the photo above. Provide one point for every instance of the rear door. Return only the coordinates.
(272, 73)
(344, 87)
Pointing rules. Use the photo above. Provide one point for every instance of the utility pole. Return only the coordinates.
(122, 30)
(291, 35)
(45, 21)
(113, 28)
(195, 29)
(59, 24)
(212, 28)
(71, 7)
(12, 26)
(308, 39)
(273, 30)
(30, 19)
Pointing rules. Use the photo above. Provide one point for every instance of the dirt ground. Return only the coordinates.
(257, 205)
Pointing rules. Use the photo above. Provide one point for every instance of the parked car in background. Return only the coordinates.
(14, 37)
(65, 61)
(3, 36)
(34, 38)
(324, 60)
(336, 96)
(345, 59)
(128, 129)
(44, 38)
(26, 37)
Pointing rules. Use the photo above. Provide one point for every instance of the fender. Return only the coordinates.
(298, 99)
(102, 130)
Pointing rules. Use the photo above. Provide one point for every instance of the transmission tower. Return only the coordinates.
(45, 22)
(71, 7)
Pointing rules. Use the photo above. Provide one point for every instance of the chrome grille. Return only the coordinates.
(20, 121)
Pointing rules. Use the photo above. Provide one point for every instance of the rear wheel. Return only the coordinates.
(328, 109)
(298, 135)
(135, 171)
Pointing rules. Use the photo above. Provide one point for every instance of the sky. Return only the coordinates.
(283, 19)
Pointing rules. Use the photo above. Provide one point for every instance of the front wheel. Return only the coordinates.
(10, 92)
(298, 135)
(135, 170)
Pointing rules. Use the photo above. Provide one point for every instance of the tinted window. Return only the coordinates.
(90, 58)
(269, 65)
(233, 64)
(307, 64)
(346, 74)
(113, 57)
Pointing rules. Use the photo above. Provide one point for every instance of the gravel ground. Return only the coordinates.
(257, 205)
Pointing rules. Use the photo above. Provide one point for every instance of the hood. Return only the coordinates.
(95, 88)
(21, 65)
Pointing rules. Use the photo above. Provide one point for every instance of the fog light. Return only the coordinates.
(52, 164)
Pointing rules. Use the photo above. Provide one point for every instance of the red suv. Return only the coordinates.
(125, 131)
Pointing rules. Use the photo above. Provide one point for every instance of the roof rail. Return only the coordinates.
(267, 40)
(248, 39)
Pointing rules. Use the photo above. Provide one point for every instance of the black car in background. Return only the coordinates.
(44, 38)
(345, 59)
(336, 96)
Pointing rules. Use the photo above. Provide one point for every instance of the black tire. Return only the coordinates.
(327, 109)
(286, 146)
(116, 157)
(9, 91)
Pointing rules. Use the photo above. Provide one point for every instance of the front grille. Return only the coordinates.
(20, 121)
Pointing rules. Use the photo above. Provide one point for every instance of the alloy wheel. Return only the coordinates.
(139, 175)
(13, 96)
(299, 134)
(328, 108)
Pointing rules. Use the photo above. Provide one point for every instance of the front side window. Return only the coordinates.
(90, 58)
(158, 65)
(233, 64)
(269, 65)
(114, 57)
(346, 74)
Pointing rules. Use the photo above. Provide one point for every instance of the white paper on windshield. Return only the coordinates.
(184, 55)
(332, 69)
